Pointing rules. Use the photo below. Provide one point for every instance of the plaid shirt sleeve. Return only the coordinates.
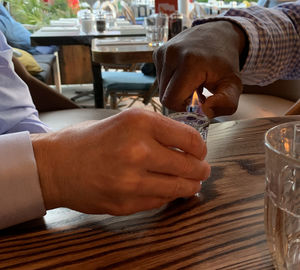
(274, 41)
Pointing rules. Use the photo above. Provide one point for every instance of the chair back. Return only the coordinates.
(276, 99)
(127, 12)
(286, 89)
(109, 7)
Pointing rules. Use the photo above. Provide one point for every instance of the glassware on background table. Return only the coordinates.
(100, 22)
(86, 20)
(156, 29)
(175, 24)
(198, 121)
(110, 20)
(282, 194)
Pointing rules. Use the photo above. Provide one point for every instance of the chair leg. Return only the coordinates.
(133, 101)
(56, 73)
(113, 101)
(156, 106)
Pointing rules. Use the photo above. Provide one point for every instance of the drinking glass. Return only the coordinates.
(157, 29)
(282, 194)
(110, 20)
(175, 24)
(198, 121)
(100, 22)
(86, 21)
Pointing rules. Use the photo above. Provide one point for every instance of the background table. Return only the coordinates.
(40, 38)
(223, 230)
(76, 38)
(117, 52)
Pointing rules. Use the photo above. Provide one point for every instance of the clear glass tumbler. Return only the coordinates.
(87, 22)
(157, 29)
(197, 121)
(282, 194)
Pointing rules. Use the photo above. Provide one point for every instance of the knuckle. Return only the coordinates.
(195, 139)
(136, 152)
(189, 57)
(171, 51)
(158, 54)
(175, 193)
(187, 167)
(134, 118)
(131, 114)
(231, 105)
(232, 109)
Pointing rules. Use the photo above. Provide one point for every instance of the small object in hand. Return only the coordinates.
(195, 105)
(193, 119)
(194, 116)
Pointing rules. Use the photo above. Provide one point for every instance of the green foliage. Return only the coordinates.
(37, 12)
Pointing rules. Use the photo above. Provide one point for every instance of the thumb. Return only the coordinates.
(223, 102)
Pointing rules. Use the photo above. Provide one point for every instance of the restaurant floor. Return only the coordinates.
(69, 90)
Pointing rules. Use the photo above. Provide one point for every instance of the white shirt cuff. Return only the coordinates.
(20, 192)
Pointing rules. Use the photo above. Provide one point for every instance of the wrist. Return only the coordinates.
(243, 44)
(50, 192)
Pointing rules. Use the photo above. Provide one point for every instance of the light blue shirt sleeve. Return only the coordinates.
(17, 111)
(20, 193)
(274, 41)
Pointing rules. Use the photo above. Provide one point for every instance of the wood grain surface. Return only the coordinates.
(223, 229)
(75, 64)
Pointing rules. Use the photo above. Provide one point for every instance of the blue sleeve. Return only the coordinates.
(17, 111)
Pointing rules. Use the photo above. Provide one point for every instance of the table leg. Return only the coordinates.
(98, 87)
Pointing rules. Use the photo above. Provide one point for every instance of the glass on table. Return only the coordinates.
(175, 24)
(156, 29)
(86, 19)
(282, 195)
(200, 122)
(100, 22)
(110, 20)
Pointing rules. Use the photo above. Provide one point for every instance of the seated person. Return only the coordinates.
(121, 165)
(252, 46)
(44, 97)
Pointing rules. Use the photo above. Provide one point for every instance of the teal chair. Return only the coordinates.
(117, 85)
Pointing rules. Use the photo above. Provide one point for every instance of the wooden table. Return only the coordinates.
(118, 52)
(77, 38)
(40, 38)
(223, 230)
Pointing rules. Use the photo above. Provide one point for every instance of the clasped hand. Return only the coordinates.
(121, 165)
(202, 56)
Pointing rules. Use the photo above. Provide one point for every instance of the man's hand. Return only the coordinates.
(203, 56)
(121, 165)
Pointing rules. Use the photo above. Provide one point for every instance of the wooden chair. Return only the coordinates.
(109, 7)
(127, 12)
(277, 99)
